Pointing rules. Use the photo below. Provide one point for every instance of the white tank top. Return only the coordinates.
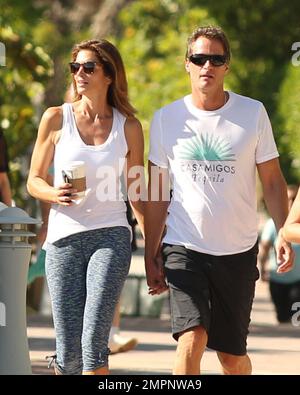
(104, 204)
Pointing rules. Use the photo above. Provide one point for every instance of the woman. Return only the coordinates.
(291, 229)
(284, 287)
(88, 240)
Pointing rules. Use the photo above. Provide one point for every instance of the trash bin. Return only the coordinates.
(15, 254)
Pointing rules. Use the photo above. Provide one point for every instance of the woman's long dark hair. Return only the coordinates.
(113, 67)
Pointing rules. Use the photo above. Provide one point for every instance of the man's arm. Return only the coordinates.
(155, 218)
(275, 196)
(5, 191)
(274, 191)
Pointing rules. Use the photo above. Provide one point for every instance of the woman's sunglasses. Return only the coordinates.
(88, 67)
(200, 59)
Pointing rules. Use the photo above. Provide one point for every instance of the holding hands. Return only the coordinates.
(156, 276)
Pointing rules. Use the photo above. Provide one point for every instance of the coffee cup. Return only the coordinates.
(74, 173)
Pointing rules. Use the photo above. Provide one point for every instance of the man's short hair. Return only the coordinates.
(213, 33)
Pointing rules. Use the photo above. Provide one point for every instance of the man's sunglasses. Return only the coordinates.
(200, 59)
(88, 67)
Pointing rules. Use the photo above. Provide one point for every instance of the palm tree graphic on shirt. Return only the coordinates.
(207, 148)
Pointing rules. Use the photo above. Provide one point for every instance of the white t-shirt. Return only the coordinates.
(212, 157)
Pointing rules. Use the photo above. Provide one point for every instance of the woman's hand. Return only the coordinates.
(65, 195)
(285, 254)
(155, 276)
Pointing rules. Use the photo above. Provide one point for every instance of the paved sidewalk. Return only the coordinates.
(274, 349)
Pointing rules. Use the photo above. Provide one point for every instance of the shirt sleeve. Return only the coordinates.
(3, 154)
(266, 147)
(157, 154)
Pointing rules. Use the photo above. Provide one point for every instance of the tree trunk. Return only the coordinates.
(105, 18)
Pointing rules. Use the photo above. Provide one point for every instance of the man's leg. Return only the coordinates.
(233, 278)
(235, 364)
(190, 306)
(190, 348)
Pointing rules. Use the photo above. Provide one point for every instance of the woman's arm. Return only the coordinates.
(291, 229)
(42, 157)
(136, 189)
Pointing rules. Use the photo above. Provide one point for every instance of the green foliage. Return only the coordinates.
(261, 34)
(37, 53)
(21, 89)
(288, 111)
(152, 40)
(152, 37)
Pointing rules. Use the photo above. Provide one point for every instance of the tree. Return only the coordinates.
(38, 37)
(151, 37)
(289, 118)
(153, 34)
(21, 88)
(105, 19)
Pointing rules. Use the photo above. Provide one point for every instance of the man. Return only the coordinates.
(5, 191)
(210, 144)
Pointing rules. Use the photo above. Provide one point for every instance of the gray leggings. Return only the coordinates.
(85, 273)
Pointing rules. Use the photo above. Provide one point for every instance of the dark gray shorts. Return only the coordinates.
(215, 292)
